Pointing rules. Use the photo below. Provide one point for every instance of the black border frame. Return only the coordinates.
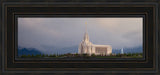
(119, 71)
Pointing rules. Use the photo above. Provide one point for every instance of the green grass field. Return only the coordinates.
(69, 55)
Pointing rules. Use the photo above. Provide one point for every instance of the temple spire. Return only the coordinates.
(86, 37)
(86, 27)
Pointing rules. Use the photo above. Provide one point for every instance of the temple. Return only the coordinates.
(87, 47)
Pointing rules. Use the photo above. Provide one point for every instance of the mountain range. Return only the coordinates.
(73, 49)
(28, 51)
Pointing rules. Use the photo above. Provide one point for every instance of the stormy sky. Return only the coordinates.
(42, 33)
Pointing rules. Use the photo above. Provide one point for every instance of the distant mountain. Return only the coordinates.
(28, 51)
(57, 50)
(128, 50)
(73, 49)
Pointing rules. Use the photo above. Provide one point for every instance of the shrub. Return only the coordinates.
(93, 55)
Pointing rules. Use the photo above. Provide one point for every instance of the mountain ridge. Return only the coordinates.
(73, 49)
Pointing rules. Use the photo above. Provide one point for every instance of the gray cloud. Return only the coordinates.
(67, 32)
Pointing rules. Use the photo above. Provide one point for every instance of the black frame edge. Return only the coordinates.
(157, 42)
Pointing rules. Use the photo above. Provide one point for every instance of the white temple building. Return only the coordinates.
(86, 47)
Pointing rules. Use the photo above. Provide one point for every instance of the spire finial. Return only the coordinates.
(86, 26)
(86, 37)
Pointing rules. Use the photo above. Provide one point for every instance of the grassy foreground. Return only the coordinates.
(69, 55)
